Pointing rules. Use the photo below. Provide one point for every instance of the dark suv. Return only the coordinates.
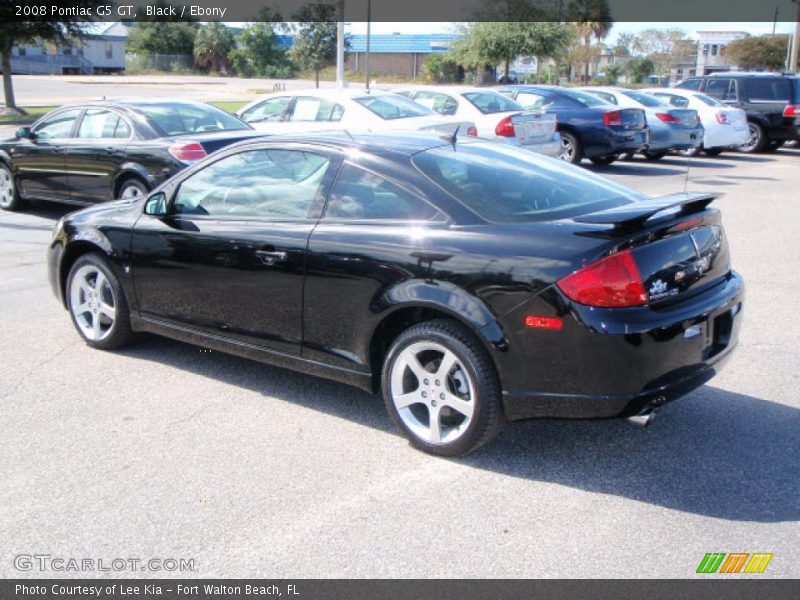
(771, 101)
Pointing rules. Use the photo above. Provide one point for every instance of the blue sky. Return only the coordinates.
(755, 28)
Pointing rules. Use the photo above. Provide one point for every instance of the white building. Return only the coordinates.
(710, 55)
(100, 50)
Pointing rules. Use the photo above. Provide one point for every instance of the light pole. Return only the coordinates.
(339, 44)
(366, 56)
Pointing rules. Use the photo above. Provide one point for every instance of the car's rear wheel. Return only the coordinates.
(571, 149)
(132, 188)
(441, 389)
(97, 303)
(756, 140)
(713, 151)
(655, 155)
(604, 160)
(9, 196)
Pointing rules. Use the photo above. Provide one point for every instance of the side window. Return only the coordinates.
(264, 184)
(767, 89)
(441, 103)
(98, 123)
(360, 194)
(531, 100)
(721, 89)
(678, 101)
(316, 109)
(59, 125)
(691, 84)
(270, 110)
(123, 130)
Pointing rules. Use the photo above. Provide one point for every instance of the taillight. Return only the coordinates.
(668, 118)
(473, 131)
(792, 110)
(722, 118)
(610, 281)
(187, 151)
(505, 128)
(612, 118)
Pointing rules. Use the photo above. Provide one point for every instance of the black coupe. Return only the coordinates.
(98, 151)
(469, 282)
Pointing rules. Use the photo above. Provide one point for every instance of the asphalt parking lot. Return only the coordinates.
(162, 450)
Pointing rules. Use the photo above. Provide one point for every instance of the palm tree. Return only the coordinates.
(212, 44)
(593, 19)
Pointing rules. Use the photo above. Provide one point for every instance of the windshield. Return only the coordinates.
(644, 99)
(583, 98)
(391, 107)
(179, 119)
(505, 184)
(491, 102)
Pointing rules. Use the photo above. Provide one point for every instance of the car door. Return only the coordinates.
(40, 161)
(372, 236)
(229, 257)
(94, 155)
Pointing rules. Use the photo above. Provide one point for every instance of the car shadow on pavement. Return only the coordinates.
(633, 168)
(714, 453)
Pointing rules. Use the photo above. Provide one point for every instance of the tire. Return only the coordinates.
(756, 141)
(102, 317)
(571, 148)
(469, 392)
(627, 156)
(603, 161)
(655, 155)
(132, 188)
(713, 151)
(9, 195)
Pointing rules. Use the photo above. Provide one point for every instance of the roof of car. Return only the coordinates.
(447, 89)
(402, 143)
(133, 102)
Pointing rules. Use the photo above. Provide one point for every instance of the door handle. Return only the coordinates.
(270, 257)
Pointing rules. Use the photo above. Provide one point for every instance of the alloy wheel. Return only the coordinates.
(567, 150)
(753, 138)
(6, 188)
(433, 393)
(92, 303)
(130, 191)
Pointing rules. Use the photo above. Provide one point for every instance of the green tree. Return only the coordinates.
(759, 52)
(593, 20)
(166, 35)
(441, 68)
(640, 68)
(613, 73)
(315, 37)
(258, 53)
(664, 47)
(212, 45)
(13, 33)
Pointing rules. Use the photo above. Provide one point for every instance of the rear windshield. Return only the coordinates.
(505, 184)
(583, 98)
(390, 107)
(644, 99)
(179, 119)
(709, 100)
(491, 102)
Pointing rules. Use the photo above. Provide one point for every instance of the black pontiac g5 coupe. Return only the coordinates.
(469, 282)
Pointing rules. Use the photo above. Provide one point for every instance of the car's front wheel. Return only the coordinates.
(441, 388)
(9, 197)
(97, 303)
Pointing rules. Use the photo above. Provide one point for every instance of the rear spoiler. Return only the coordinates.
(630, 216)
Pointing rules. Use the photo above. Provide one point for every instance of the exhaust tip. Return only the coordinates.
(644, 418)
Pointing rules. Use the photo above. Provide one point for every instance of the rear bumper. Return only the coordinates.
(612, 142)
(675, 138)
(605, 365)
(551, 147)
(724, 137)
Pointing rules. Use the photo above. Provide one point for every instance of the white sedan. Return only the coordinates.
(497, 117)
(725, 127)
(349, 109)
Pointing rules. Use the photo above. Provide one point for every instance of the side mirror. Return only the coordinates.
(156, 205)
(25, 133)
